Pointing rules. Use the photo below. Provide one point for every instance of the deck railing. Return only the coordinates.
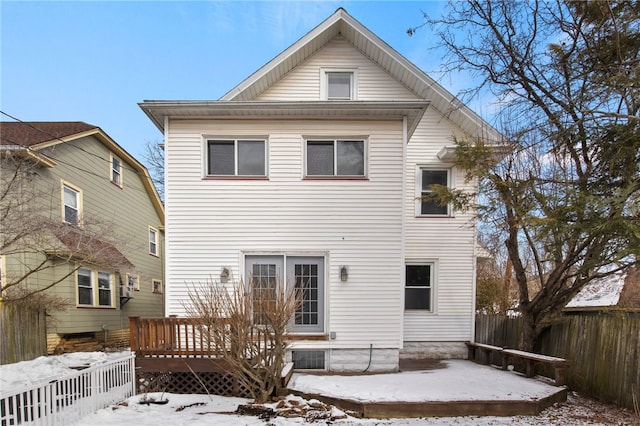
(174, 337)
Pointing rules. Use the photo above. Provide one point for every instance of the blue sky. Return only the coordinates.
(94, 61)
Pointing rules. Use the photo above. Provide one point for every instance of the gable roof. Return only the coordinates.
(29, 138)
(378, 51)
(240, 102)
(36, 132)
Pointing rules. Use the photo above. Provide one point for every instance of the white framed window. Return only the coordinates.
(305, 273)
(419, 285)
(425, 178)
(153, 241)
(116, 171)
(95, 287)
(335, 157)
(156, 286)
(236, 157)
(338, 84)
(133, 282)
(71, 204)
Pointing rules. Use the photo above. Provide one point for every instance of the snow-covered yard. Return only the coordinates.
(196, 410)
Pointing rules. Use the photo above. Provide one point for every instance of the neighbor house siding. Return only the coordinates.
(212, 223)
(125, 213)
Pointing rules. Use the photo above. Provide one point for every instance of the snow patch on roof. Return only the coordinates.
(600, 292)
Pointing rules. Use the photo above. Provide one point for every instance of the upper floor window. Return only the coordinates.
(235, 157)
(71, 204)
(429, 206)
(116, 171)
(133, 282)
(335, 158)
(339, 85)
(153, 241)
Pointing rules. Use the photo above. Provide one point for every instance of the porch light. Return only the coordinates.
(224, 275)
(344, 273)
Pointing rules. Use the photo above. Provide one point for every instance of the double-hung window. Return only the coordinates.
(338, 84)
(90, 294)
(335, 158)
(116, 171)
(418, 292)
(72, 204)
(153, 241)
(428, 204)
(236, 157)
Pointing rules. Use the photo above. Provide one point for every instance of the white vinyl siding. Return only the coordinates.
(448, 239)
(211, 224)
(304, 82)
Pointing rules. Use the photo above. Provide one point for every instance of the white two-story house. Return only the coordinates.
(314, 167)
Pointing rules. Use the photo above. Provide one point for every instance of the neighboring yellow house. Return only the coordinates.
(103, 246)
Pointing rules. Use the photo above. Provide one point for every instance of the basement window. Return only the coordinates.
(308, 360)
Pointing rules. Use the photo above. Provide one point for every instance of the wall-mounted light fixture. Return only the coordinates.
(224, 275)
(344, 273)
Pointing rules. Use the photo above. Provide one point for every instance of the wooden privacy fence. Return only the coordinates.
(65, 400)
(23, 334)
(603, 350)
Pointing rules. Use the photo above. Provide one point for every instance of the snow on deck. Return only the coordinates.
(461, 380)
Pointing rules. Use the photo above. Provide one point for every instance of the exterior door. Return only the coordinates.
(306, 274)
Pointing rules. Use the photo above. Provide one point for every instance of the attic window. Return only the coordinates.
(338, 85)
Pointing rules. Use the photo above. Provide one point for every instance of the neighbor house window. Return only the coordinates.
(72, 204)
(156, 286)
(153, 241)
(338, 85)
(90, 294)
(335, 158)
(418, 287)
(116, 171)
(235, 157)
(133, 282)
(429, 206)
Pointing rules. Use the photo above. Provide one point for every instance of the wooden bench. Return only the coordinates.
(474, 348)
(560, 365)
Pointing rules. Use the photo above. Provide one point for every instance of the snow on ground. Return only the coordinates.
(196, 410)
(601, 292)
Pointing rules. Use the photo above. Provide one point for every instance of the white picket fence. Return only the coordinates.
(66, 400)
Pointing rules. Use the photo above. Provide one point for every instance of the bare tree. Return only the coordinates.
(35, 242)
(154, 159)
(247, 326)
(566, 76)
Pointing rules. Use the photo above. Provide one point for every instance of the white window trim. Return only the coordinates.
(156, 253)
(112, 171)
(335, 175)
(153, 281)
(136, 286)
(64, 183)
(418, 188)
(95, 289)
(324, 86)
(205, 155)
(434, 286)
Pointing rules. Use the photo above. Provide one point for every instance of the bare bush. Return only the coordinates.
(246, 326)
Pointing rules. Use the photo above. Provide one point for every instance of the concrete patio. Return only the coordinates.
(432, 389)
